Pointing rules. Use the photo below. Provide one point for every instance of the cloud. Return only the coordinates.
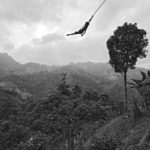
(5, 42)
(48, 38)
(63, 52)
(29, 11)
(115, 13)
(34, 30)
(40, 53)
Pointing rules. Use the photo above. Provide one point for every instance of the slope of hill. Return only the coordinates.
(9, 66)
(12, 89)
(41, 79)
(17, 81)
(40, 84)
(133, 135)
(98, 70)
(30, 68)
(105, 70)
(7, 62)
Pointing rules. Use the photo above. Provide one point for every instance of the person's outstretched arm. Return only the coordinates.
(76, 32)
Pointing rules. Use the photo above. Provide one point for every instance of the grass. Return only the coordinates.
(127, 130)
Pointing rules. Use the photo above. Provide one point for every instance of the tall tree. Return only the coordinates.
(63, 88)
(125, 46)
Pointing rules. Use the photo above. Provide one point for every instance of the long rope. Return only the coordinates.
(86, 26)
(99, 7)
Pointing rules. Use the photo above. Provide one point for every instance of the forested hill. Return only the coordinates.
(40, 108)
(10, 66)
(40, 80)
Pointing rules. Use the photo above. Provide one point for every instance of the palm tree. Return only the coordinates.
(143, 87)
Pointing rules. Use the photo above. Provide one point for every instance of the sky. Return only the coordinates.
(35, 30)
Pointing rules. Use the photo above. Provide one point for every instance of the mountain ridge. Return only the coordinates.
(41, 79)
(10, 65)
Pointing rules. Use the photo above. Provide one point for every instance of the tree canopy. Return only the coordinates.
(125, 46)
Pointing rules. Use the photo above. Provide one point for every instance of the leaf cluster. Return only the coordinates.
(126, 45)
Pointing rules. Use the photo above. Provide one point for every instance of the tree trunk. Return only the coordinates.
(70, 137)
(125, 89)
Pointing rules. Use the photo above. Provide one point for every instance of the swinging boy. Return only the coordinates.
(82, 31)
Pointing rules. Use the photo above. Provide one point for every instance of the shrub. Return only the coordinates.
(105, 143)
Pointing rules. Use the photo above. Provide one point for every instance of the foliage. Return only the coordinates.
(138, 83)
(62, 112)
(68, 116)
(11, 134)
(7, 108)
(105, 143)
(36, 142)
(126, 45)
(143, 87)
(49, 122)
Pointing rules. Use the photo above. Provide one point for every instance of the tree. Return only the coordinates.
(143, 87)
(63, 115)
(76, 91)
(125, 46)
(63, 88)
(105, 143)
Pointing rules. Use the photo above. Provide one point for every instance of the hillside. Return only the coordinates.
(41, 84)
(10, 89)
(8, 63)
(33, 104)
(40, 80)
(133, 135)
(10, 66)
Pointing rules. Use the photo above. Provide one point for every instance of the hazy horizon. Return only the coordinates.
(70, 63)
(34, 30)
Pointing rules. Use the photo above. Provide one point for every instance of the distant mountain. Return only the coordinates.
(40, 84)
(8, 63)
(34, 68)
(9, 66)
(39, 80)
(12, 89)
(105, 70)
(98, 70)
(30, 68)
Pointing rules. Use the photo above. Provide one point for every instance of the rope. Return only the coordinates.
(99, 7)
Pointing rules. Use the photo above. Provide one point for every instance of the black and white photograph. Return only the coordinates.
(74, 75)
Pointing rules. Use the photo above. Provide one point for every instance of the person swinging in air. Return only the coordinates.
(82, 31)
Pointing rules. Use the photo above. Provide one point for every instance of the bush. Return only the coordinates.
(105, 143)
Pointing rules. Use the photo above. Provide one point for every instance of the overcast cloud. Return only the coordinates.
(34, 30)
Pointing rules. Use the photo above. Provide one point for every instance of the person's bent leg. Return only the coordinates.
(83, 33)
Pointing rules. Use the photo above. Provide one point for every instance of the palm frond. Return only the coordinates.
(133, 87)
(143, 75)
(136, 81)
(148, 73)
(131, 83)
